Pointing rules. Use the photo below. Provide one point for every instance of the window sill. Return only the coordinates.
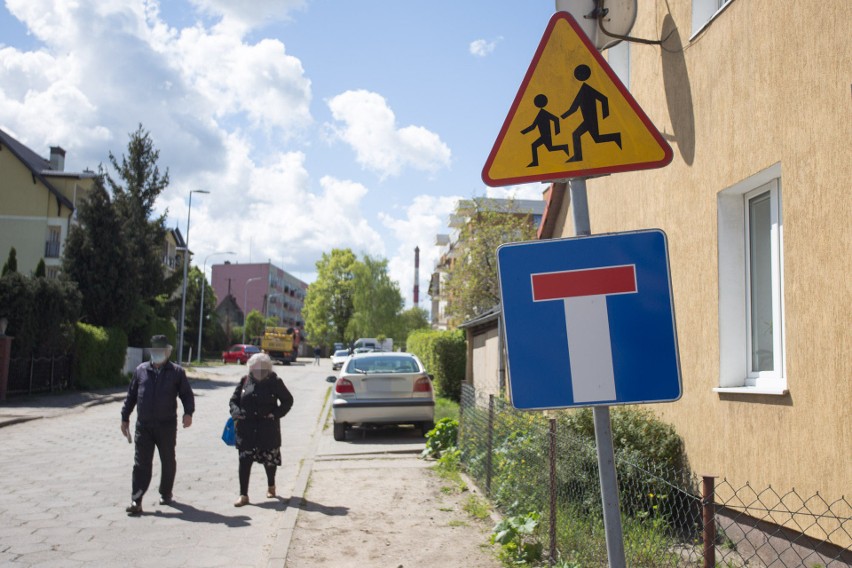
(706, 24)
(776, 391)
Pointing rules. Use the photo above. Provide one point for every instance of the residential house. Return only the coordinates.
(38, 203)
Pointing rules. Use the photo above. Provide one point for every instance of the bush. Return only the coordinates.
(444, 353)
(99, 356)
(162, 326)
(443, 437)
(40, 314)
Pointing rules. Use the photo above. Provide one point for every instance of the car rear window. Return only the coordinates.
(393, 364)
(341, 353)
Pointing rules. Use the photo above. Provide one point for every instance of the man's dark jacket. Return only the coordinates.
(252, 403)
(155, 394)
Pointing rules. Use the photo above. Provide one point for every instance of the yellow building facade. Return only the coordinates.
(37, 204)
(754, 98)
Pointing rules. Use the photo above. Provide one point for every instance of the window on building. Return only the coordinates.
(51, 247)
(751, 310)
(705, 10)
(619, 59)
(52, 272)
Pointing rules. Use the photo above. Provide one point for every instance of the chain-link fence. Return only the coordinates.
(28, 375)
(526, 462)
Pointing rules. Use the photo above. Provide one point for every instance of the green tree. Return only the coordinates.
(255, 324)
(135, 188)
(408, 321)
(376, 301)
(472, 284)
(97, 259)
(41, 269)
(210, 339)
(329, 302)
(11, 264)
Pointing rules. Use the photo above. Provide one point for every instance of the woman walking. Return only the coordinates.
(258, 404)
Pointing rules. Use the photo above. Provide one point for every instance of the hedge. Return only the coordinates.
(99, 356)
(444, 353)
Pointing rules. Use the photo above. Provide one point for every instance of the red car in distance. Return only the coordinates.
(239, 353)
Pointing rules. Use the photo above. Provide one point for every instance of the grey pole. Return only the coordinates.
(185, 266)
(204, 287)
(603, 426)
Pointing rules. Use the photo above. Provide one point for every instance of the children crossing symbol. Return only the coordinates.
(572, 117)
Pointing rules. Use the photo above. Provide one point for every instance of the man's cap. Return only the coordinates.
(160, 342)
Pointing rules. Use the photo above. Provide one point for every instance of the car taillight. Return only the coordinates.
(344, 386)
(423, 384)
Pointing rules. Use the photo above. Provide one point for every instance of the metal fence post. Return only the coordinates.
(708, 514)
(32, 370)
(552, 484)
(52, 364)
(490, 444)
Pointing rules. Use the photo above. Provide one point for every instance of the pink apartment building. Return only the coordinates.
(263, 287)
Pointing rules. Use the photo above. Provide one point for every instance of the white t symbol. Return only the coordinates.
(583, 293)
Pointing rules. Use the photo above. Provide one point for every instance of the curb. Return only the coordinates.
(287, 526)
(105, 399)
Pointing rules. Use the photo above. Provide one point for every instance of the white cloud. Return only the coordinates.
(483, 47)
(369, 127)
(525, 191)
(249, 14)
(281, 217)
(107, 65)
(422, 220)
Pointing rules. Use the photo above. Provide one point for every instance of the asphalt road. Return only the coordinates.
(66, 481)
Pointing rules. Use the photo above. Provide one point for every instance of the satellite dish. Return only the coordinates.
(619, 17)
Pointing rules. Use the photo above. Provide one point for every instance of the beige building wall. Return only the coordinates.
(767, 83)
(28, 211)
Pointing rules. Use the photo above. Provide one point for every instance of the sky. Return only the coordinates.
(314, 124)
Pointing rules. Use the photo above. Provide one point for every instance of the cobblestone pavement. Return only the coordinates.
(66, 481)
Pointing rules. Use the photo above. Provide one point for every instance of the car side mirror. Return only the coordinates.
(331, 379)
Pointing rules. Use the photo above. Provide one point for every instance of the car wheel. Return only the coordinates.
(339, 432)
(426, 427)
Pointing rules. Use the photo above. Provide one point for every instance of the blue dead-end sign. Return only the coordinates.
(589, 321)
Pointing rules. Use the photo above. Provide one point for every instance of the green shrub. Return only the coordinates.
(99, 356)
(162, 326)
(517, 539)
(444, 353)
(444, 436)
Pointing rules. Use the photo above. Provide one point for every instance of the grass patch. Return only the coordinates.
(447, 509)
(477, 508)
(446, 408)
(457, 523)
(447, 468)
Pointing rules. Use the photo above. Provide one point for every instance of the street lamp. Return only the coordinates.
(185, 266)
(245, 305)
(203, 287)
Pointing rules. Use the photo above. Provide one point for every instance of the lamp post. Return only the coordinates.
(245, 305)
(185, 267)
(204, 287)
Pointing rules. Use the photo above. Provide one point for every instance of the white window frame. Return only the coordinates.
(735, 361)
(704, 12)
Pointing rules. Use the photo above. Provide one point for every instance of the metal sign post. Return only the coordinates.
(603, 425)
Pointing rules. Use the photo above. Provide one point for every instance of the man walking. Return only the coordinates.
(154, 390)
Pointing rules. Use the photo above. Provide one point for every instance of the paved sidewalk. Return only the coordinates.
(372, 503)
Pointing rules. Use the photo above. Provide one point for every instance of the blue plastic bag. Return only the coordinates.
(229, 434)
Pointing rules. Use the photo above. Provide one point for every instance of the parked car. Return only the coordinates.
(338, 358)
(239, 353)
(382, 388)
(363, 350)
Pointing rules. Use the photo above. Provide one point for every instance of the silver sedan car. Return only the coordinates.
(382, 388)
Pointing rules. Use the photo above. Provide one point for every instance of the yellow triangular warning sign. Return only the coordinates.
(572, 117)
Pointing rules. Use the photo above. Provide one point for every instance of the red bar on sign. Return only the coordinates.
(591, 282)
